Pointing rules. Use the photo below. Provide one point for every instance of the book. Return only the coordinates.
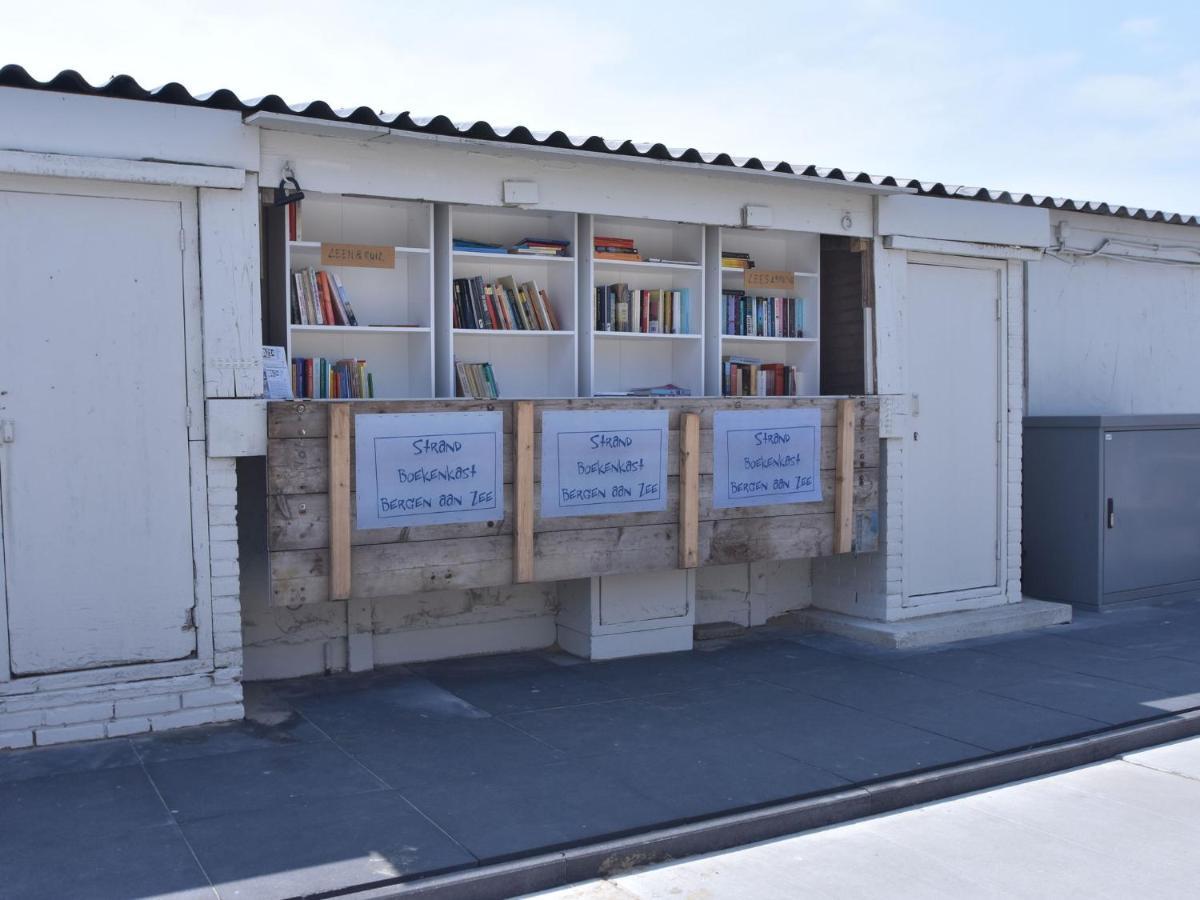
(744, 376)
(320, 298)
(464, 245)
(323, 379)
(733, 260)
(475, 380)
(541, 247)
(615, 248)
(746, 316)
(343, 299)
(658, 311)
(503, 305)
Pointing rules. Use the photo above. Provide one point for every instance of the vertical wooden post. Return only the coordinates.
(843, 480)
(689, 491)
(339, 501)
(523, 492)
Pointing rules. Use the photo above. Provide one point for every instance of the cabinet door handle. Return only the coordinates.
(1112, 515)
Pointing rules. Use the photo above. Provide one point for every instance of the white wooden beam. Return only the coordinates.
(959, 248)
(20, 162)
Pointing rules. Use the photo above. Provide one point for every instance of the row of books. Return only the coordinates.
(618, 308)
(503, 305)
(475, 380)
(322, 379)
(524, 247)
(744, 376)
(763, 316)
(620, 249)
(732, 260)
(319, 298)
(661, 390)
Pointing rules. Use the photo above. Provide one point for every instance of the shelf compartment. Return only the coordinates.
(399, 361)
(639, 335)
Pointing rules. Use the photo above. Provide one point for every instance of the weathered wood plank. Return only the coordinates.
(339, 501)
(300, 465)
(301, 522)
(523, 494)
(843, 483)
(689, 490)
(286, 418)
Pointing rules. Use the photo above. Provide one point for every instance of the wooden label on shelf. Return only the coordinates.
(429, 468)
(764, 457)
(604, 463)
(759, 279)
(365, 256)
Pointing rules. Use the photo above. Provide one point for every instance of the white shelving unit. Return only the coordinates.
(623, 360)
(781, 251)
(394, 307)
(534, 364)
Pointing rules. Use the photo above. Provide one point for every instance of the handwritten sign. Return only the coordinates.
(365, 256)
(765, 279)
(429, 468)
(765, 457)
(604, 463)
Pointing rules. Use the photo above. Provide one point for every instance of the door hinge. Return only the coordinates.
(7, 431)
(189, 619)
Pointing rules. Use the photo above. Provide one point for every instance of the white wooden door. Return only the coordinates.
(96, 512)
(951, 471)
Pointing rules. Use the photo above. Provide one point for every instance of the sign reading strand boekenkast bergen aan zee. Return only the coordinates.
(429, 468)
(764, 457)
(604, 463)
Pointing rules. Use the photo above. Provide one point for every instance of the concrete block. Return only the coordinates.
(13, 740)
(83, 712)
(66, 733)
(147, 706)
(941, 628)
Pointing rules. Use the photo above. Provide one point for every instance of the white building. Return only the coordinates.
(143, 263)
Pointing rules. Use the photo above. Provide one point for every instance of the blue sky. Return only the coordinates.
(1097, 100)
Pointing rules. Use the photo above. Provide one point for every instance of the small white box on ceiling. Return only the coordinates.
(756, 216)
(520, 193)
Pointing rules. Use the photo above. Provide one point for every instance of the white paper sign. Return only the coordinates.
(429, 468)
(765, 457)
(604, 463)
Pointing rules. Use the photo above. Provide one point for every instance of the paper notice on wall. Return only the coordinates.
(277, 374)
(765, 457)
(604, 463)
(429, 468)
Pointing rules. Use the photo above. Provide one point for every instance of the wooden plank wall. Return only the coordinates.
(396, 562)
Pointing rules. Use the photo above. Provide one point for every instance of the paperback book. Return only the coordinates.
(745, 376)
(320, 298)
(659, 311)
(475, 380)
(763, 316)
(318, 378)
(504, 305)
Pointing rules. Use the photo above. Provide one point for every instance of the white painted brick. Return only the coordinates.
(15, 721)
(222, 515)
(222, 567)
(222, 533)
(221, 497)
(229, 658)
(228, 676)
(222, 477)
(65, 733)
(147, 706)
(84, 712)
(12, 740)
(223, 550)
(228, 586)
(205, 716)
(215, 696)
(122, 727)
(225, 640)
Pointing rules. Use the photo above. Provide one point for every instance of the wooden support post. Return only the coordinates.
(523, 492)
(339, 501)
(843, 480)
(689, 491)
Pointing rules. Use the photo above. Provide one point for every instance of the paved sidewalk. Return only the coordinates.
(1123, 829)
(414, 771)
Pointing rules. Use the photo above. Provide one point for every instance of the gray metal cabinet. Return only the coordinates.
(1111, 507)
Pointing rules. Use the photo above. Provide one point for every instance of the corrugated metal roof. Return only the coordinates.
(126, 88)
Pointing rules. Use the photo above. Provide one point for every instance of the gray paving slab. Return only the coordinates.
(396, 707)
(204, 786)
(1114, 702)
(320, 844)
(456, 749)
(186, 743)
(78, 805)
(38, 762)
(503, 815)
(972, 669)
(154, 861)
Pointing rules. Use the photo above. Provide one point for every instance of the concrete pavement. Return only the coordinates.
(1121, 829)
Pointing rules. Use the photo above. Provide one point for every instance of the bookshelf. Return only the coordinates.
(798, 253)
(672, 259)
(529, 363)
(393, 306)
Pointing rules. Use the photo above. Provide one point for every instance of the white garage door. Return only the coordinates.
(97, 535)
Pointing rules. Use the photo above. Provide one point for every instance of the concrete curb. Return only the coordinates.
(550, 870)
